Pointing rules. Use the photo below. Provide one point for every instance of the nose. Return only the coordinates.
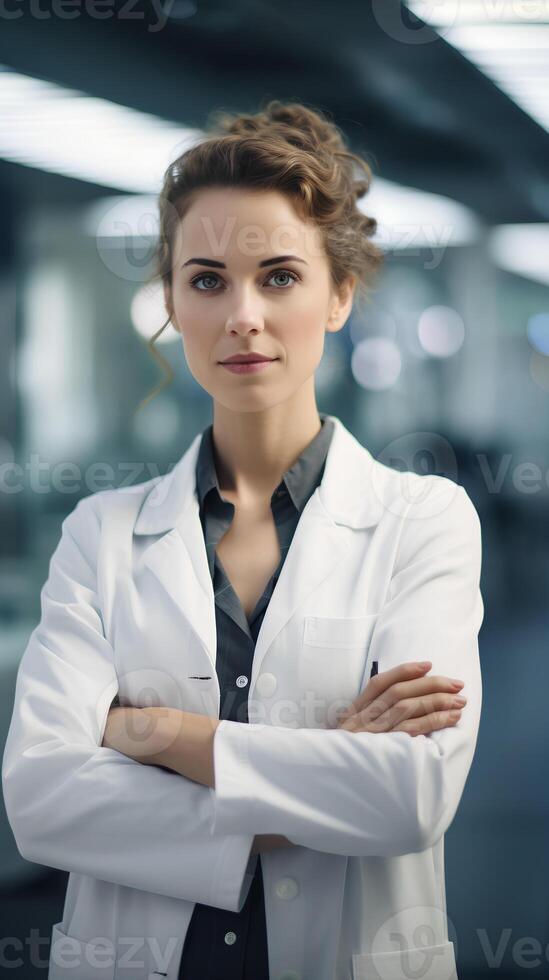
(245, 317)
(242, 325)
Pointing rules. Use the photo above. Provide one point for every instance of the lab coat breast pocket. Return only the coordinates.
(333, 662)
(427, 962)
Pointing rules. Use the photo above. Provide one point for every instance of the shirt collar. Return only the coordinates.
(300, 479)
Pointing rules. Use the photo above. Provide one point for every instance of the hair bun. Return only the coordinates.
(298, 125)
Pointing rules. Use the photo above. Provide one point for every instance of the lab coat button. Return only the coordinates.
(230, 938)
(266, 685)
(241, 681)
(287, 888)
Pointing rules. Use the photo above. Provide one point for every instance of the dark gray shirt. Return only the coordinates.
(222, 945)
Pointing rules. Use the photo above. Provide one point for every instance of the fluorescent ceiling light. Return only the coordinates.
(67, 132)
(452, 12)
(522, 249)
(506, 40)
(499, 37)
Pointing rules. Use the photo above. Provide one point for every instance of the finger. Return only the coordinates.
(417, 707)
(425, 685)
(369, 719)
(405, 690)
(428, 704)
(384, 721)
(430, 723)
(413, 670)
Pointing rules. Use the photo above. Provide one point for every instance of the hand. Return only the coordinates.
(403, 699)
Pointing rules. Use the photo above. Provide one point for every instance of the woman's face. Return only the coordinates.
(229, 297)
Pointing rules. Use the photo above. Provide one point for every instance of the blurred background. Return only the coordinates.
(446, 370)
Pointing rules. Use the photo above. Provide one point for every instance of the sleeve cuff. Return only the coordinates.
(233, 799)
(236, 866)
(235, 874)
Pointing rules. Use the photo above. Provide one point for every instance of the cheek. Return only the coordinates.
(196, 354)
(196, 348)
(305, 339)
(192, 320)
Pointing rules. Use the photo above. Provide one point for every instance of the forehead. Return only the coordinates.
(232, 223)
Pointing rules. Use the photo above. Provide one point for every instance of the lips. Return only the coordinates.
(247, 359)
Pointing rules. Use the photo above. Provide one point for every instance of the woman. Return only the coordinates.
(269, 795)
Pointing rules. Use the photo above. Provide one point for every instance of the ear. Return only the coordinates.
(342, 305)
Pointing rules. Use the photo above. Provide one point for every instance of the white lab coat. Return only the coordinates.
(385, 567)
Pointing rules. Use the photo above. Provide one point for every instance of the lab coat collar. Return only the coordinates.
(347, 499)
(350, 491)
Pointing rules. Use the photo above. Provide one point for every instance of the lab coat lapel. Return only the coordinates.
(345, 501)
(177, 556)
(178, 559)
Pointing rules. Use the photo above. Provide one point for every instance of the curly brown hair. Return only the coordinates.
(287, 147)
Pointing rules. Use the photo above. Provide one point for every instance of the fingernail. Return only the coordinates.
(457, 684)
(424, 663)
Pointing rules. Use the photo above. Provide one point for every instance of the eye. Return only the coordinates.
(284, 272)
(213, 275)
(203, 275)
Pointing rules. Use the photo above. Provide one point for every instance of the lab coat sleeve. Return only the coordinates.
(363, 793)
(78, 806)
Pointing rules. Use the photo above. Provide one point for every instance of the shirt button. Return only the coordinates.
(287, 888)
(230, 938)
(241, 681)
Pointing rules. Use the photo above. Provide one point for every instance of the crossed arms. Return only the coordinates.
(76, 804)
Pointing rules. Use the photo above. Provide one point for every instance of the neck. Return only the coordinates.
(253, 449)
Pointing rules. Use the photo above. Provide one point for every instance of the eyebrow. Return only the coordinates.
(221, 265)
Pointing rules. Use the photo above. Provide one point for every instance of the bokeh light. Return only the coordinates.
(148, 313)
(537, 330)
(376, 363)
(441, 331)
